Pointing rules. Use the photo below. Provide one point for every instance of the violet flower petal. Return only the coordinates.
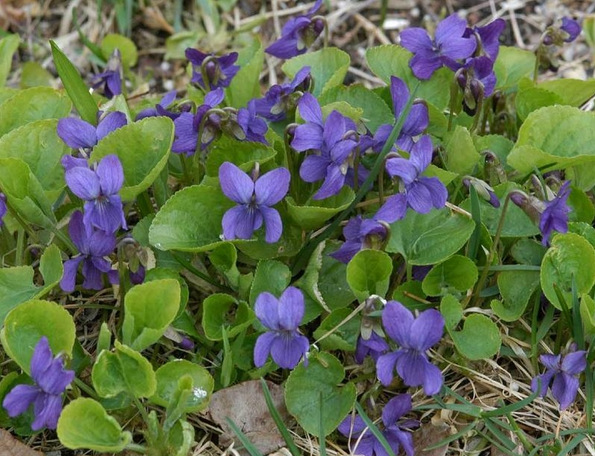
(332, 184)
(564, 389)
(47, 409)
(397, 321)
(574, 362)
(109, 123)
(83, 182)
(395, 409)
(77, 133)
(287, 350)
(313, 168)
(291, 308)
(270, 188)
(385, 367)
(266, 309)
(262, 348)
(426, 330)
(307, 136)
(235, 183)
(18, 400)
(110, 174)
(273, 224)
(68, 281)
(41, 360)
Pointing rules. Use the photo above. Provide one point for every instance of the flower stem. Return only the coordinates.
(86, 388)
(136, 448)
(486, 269)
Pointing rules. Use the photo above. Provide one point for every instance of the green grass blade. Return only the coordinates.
(475, 239)
(510, 407)
(248, 445)
(321, 436)
(75, 86)
(278, 420)
(8, 46)
(374, 429)
(452, 438)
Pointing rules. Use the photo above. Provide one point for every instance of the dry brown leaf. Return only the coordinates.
(153, 18)
(245, 405)
(427, 435)
(9, 446)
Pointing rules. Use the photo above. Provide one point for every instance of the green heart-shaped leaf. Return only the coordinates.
(84, 423)
(307, 386)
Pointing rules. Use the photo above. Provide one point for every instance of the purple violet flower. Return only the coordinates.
(555, 214)
(160, 108)
(422, 193)
(297, 34)
(374, 347)
(362, 233)
(488, 38)
(415, 336)
(333, 143)
(51, 379)
(282, 318)
(78, 134)
(253, 126)
(219, 70)
(94, 246)
(111, 78)
(415, 124)
(99, 189)
(278, 100)
(483, 190)
(448, 46)
(254, 199)
(3, 208)
(564, 371)
(188, 124)
(571, 27)
(477, 80)
(368, 444)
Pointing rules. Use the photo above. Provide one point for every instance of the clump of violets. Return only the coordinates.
(333, 143)
(99, 189)
(562, 373)
(282, 318)
(94, 245)
(354, 428)
(79, 134)
(255, 197)
(421, 193)
(282, 98)
(415, 336)
(449, 45)
(211, 72)
(298, 34)
(51, 379)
